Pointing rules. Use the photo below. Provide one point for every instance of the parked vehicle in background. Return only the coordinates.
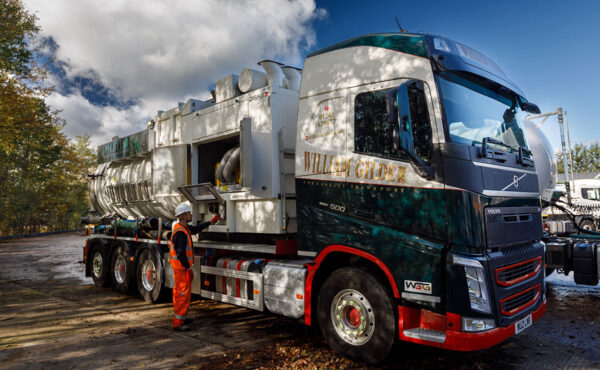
(569, 222)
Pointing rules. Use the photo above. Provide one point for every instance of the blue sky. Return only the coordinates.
(118, 63)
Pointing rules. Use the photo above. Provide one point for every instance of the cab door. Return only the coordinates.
(321, 170)
(391, 198)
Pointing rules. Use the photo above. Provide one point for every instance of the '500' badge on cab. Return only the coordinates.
(417, 287)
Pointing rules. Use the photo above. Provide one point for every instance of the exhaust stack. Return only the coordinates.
(293, 76)
(274, 72)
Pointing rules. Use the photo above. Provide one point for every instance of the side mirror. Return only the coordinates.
(530, 108)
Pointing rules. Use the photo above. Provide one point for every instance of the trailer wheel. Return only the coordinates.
(120, 271)
(356, 315)
(99, 266)
(151, 276)
(587, 224)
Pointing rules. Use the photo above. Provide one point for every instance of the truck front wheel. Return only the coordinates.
(151, 276)
(356, 315)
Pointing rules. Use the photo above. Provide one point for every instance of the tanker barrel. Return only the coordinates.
(543, 158)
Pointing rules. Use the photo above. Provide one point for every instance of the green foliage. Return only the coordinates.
(43, 183)
(585, 158)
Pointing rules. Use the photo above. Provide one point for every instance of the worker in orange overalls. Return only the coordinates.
(182, 260)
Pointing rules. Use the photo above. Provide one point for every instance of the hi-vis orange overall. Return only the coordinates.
(182, 291)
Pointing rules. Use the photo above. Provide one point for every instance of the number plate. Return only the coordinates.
(523, 324)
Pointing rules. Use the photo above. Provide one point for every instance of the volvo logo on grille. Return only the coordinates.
(514, 182)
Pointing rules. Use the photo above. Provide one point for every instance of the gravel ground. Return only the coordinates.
(53, 317)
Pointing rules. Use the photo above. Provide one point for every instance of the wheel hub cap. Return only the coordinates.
(119, 269)
(97, 264)
(353, 317)
(148, 275)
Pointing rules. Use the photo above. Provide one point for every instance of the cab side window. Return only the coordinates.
(421, 125)
(373, 131)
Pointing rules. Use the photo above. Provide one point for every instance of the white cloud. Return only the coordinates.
(161, 52)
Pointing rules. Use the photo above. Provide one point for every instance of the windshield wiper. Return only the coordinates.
(525, 157)
(486, 153)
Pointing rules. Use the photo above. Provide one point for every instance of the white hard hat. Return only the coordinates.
(182, 208)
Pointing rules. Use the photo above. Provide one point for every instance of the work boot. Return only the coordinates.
(188, 321)
(182, 327)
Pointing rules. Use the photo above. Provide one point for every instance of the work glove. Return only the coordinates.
(190, 275)
(215, 219)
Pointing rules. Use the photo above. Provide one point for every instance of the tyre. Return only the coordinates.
(151, 276)
(99, 266)
(120, 270)
(356, 315)
(587, 224)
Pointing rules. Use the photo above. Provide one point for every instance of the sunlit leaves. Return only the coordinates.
(42, 173)
(586, 158)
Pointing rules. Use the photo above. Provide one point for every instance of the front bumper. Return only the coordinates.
(463, 341)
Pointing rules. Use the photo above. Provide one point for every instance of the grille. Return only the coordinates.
(513, 274)
(520, 301)
(508, 226)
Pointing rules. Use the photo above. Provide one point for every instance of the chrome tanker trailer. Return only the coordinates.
(570, 247)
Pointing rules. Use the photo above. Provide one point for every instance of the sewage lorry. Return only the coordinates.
(385, 192)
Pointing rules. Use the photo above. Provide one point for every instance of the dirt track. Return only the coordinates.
(53, 317)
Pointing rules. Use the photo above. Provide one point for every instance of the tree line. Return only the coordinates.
(586, 158)
(43, 174)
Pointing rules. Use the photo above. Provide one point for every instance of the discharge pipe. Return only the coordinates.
(293, 76)
(274, 72)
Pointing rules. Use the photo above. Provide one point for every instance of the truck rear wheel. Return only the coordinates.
(99, 266)
(151, 276)
(120, 271)
(356, 315)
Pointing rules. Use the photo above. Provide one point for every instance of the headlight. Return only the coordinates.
(476, 284)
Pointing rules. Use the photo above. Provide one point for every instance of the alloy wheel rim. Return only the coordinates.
(352, 317)
(148, 275)
(97, 263)
(120, 269)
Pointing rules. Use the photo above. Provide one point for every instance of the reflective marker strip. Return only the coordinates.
(420, 297)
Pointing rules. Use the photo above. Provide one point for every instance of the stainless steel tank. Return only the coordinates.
(543, 156)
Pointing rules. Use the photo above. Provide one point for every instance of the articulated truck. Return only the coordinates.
(385, 192)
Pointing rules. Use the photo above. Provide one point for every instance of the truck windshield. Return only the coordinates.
(475, 110)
